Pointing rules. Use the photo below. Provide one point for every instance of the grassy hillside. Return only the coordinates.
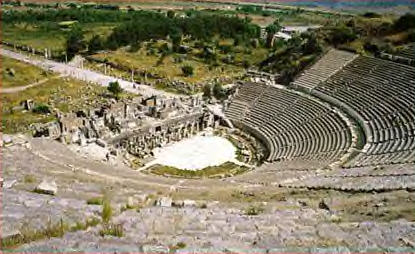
(16, 73)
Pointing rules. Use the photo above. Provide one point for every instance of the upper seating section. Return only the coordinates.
(329, 64)
(383, 94)
(294, 127)
(406, 55)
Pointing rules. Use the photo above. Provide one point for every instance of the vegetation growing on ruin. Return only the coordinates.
(109, 228)
(106, 213)
(29, 179)
(254, 210)
(112, 230)
(57, 229)
(95, 201)
(224, 170)
(89, 222)
(178, 246)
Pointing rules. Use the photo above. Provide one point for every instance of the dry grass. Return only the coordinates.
(32, 35)
(63, 94)
(224, 170)
(168, 68)
(16, 73)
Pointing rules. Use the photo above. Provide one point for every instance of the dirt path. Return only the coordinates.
(85, 75)
(22, 88)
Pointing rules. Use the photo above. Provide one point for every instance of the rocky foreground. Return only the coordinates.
(53, 200)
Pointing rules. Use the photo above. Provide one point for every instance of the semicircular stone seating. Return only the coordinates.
(295, 128)
(382, 93)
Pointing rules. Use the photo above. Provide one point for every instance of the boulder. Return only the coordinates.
(131, 202)
(178, 203)
(7, 140)
(47, 187)
(11, 72)
(8, 184)
(164, 202)
(189, 203)
(142, 198)
(154, 249)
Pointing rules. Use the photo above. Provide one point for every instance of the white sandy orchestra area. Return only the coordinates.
(196, 153)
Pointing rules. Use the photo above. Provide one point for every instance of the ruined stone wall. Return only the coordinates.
(141, 142)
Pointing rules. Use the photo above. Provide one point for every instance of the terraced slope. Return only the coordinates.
(327, 66)
(292, 126)
(380, 94)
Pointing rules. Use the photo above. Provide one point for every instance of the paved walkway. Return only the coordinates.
(85, 75)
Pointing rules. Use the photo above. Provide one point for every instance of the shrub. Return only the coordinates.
(246, 64)
(134, 47)
(95, 44)
(92, 222)
(112, 229)
(170, 14)
(207, 91)
(342, 34)
(95, 201)
(187, 70)
(115, 89)
(29, 235)
(181, 245)
(41, 109)
(218, 91)
(253, 210)
(106, 211)
(225, 48)
(405, 22)
(371, 15)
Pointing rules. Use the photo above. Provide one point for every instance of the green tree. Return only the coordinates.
(310, 44)
(246, 64)
(176, 39)
(75, 42)
(187, 70)
(115, 89)
(95, 44)
(405, 22)
(342, 34)
(170, 14)
(271, 30)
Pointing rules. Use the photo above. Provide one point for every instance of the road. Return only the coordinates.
(86, 75)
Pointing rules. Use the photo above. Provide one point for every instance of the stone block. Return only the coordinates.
(164, 202)
(47, 187)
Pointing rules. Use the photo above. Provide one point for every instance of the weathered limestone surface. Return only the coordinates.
(285, 224)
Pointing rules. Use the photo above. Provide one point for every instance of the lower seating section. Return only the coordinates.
(383, 93)
(294, 127)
